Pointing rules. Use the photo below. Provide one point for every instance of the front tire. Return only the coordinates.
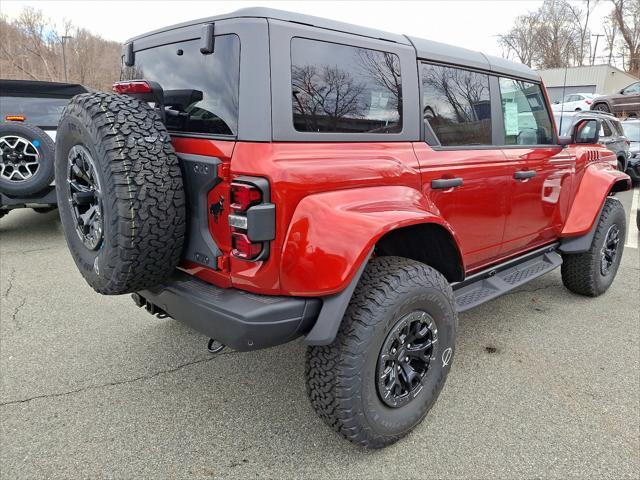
(601, 107)
(390, 359)
(591, 273)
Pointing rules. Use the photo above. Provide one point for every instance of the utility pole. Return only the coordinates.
(64, 39)
(595, 49)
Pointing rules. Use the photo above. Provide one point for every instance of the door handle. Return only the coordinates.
(524, 174)
(446, 183)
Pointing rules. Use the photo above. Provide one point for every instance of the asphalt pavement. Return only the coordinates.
(545, 384)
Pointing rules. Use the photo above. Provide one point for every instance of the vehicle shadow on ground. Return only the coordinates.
(16, 223)
(258, 399)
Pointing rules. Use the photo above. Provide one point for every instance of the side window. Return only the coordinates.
(343, 89)
(633, 88)
(456, 104)
(526, 117)
(605, 130)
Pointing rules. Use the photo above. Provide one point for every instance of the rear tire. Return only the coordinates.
(591, 273)
(120, 192)
(346, 381)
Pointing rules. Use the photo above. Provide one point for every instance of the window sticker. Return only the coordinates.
(511, 118)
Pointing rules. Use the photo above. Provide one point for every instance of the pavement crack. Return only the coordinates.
(16, 310)
(24, 252)
(116, 383)
(10, 278)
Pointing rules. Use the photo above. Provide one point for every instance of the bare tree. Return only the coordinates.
(521, 39)
(581, 18)
(556, 35)
(384, 70)
(610, 29)
(326, 92)
(31, 48)
(626, 15)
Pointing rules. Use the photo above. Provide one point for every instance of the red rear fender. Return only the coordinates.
(331, 234)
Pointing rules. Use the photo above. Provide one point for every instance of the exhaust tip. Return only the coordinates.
(214, 346)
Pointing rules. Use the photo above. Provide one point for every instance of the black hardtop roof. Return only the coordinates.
(425, 49)
(25, 88)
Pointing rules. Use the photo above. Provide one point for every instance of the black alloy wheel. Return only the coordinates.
(85, 197)
(405, 357)
(609, 250)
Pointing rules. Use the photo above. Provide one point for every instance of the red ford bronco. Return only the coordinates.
(264, 175)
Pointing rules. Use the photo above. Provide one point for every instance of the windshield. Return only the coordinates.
(200, 91)
(39, 111)
(632, 131)
(563, 123)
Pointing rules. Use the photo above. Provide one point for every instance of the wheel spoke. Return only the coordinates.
(405, 358)
(84, 196)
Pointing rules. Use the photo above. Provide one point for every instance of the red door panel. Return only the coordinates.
(476, 210)
(538, 205)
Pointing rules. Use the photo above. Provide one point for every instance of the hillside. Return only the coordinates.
(31, 49)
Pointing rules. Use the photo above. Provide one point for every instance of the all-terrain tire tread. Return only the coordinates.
(579, 270)
(146, 190)
(331, 370)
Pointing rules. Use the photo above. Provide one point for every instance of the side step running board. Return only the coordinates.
(500, 279)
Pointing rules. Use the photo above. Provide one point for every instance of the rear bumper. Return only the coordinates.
(241, 320)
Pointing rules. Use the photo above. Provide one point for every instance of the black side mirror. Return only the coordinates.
(587, 131)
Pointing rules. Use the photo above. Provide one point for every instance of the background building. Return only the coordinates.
(602, 79)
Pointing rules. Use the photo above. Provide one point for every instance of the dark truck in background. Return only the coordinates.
(29, 115)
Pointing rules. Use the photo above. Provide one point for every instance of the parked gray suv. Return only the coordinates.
(612, 135)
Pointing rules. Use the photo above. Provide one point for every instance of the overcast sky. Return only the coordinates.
(472, 24)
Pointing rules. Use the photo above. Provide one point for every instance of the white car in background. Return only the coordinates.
(575, 102)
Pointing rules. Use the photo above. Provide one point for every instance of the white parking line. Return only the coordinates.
(633, 233)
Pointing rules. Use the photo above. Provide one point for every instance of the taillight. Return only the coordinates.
(134, 86)
(244, 196)
(588, 101)
(252, 218)
(245, 248)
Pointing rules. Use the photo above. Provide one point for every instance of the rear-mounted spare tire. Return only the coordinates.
(120, 192)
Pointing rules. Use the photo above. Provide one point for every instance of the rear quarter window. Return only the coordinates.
(200, 91)
(344, 89)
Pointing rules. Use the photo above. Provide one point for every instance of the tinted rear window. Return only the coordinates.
(343, 89)
(200, 91)
(40, 111)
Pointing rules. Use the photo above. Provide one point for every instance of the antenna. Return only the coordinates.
(564, 86)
